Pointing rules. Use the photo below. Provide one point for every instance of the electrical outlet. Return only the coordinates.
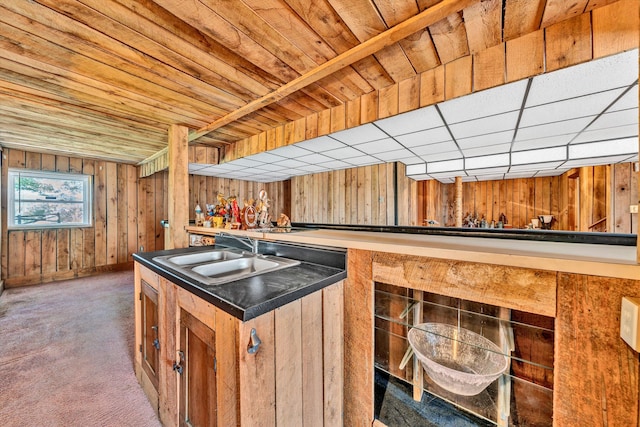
(629, 316)
(633, 209)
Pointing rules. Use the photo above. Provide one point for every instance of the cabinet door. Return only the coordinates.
(150, 343)
(198, 377)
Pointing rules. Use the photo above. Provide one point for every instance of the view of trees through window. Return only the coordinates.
(48, 199)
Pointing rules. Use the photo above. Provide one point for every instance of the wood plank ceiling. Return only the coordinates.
(105, 78)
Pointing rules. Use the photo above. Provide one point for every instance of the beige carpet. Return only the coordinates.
(66, 352)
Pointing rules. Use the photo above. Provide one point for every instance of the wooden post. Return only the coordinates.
(176, 236)
(458, 201)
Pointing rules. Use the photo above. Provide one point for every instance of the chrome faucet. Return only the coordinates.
(252, 244)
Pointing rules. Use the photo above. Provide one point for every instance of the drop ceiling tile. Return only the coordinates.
(553, 129)
(605, 160)
(436, 157)
(488, 171)
(535, 166)
(229, 166)
(627, 146)
(412, 121)
(314, 158)
(490, 149)
(430, 136)
(312, 168)
(193, 167)
(494, 177)
(525, 174)
(290, 152)
(606, 133)
(539, 155)
(379, 146)
(488, 102)
(272, 167)
(265, 158)
(447, 180)
(552, 172)
(450, 174)
(442, 147)
(489, 161)
(471, 178)
(393, 156)
(616, 118)
(588, 105)
(335, 165)
(359, 134)
(363, 161)
(290, 163)
(320, 144)
(590, 77)
(343, 153)
(416, 169)
(411, 160)
(424, 177)
(445, 166)
(246, 162)
(490, 124)
(486, 139)
(628, 100)
(550, 141)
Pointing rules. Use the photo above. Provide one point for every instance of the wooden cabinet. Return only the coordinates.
(147, 329)
(197, 371)
(284, 367)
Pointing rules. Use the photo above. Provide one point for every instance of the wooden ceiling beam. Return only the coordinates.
(357, 53)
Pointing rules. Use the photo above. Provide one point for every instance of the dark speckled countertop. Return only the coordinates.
(250, 297)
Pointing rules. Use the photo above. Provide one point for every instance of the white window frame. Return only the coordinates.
(87, 199)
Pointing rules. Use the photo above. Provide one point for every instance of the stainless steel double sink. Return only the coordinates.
(218, 266)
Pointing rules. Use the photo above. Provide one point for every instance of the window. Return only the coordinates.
(48, 199)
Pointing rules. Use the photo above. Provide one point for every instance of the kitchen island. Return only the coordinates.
(578, 286)
(257, 350)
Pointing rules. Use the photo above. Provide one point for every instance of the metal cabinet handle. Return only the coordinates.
(177, 365)
(254, 342)
(156, 344)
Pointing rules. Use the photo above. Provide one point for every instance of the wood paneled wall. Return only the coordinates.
(593, 198)
(205, 189)
(363, 195)
(35, 256)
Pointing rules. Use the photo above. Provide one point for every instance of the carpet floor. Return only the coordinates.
(66, 355)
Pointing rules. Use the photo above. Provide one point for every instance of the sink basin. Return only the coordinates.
(218, 266)
(235, 266)
(215, 255)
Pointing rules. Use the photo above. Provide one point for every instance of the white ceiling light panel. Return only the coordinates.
(550, 141)
(597, 161)
(535, 166)
(412, 121)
